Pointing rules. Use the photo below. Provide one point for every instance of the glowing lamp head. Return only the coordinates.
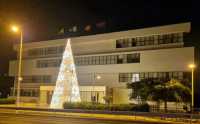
(192, 66)
(98, 77)
(15, 28)
(20, 78)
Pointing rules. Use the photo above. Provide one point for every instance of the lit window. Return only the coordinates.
(135, 77)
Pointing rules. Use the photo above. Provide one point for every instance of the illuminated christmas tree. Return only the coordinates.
(67, 89)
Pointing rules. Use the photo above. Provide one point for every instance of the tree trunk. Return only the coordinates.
(166, 98)
(165, 105)
(158, 106)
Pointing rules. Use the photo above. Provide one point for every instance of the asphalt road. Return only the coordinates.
(34, 119)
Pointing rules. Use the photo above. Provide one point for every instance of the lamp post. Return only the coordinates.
(19, 78)
(98, 77)
(192, 66)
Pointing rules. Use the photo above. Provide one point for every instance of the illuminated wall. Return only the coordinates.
(67, 89)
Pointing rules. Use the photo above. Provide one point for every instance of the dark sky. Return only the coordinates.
(42, 19)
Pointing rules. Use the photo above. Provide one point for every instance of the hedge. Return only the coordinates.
(7, 101)
(113, 107)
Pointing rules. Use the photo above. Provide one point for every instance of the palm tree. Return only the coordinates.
(161, 90)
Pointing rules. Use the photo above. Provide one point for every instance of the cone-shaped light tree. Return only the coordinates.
(67, 89)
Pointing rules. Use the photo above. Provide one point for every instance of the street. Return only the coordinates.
(34, 119)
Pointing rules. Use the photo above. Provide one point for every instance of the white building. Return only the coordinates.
(106, 62)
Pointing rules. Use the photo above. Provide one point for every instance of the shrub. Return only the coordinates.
(130, 107)
(68, 105)
(114, 107)
(102, 107)
(141, 108)
(7, 101)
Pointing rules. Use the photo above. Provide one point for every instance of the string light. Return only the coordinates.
(67, 89)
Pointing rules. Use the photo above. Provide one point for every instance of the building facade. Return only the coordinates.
(105, 63)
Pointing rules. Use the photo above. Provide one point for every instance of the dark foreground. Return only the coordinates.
(35, 119)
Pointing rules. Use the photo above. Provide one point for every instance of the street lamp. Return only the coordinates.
(192, 66)
(19, 78)
(15, 28)
(98, 77)
(95, 77)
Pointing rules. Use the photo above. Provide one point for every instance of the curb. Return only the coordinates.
(92, 116)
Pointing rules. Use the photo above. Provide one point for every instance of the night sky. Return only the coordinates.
(42, 19)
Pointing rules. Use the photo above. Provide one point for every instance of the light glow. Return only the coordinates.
(192, 66)
(67, 89)
(14, 28)
(98, 77)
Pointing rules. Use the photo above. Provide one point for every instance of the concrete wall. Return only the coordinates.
(121, 95)
(163, 60)
(101, 43)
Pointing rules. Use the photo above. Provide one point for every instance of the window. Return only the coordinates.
(171, 38)
(97, 60)
(133, 42)
(120, 59)
(180, 75)
(160, 39)
(149, 40)
(141, 75)
(170, 74)
(129, 42)
(29, 92)
(155, 37)
(107, 59)
(48, 63)
(130, 58)
(151, 75)
(167, 39)
(142, 41)
(104, 60)
(37, 79)
(175, 75)
(126, 42)
(124, 58)
(113, 59)
(123, 77)
(155, 75)
(133, 58)
(58, 50)
(187, 75)
(119, 44)
(177, 38)
(35, 93)
(86, 60)
(134, 77)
